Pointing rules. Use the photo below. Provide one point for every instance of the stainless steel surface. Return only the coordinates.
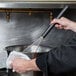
(3, 58)
(37, 0)
(24, 29)
(52, 4)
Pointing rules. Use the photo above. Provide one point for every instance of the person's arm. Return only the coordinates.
(64, 23)
(60, 59)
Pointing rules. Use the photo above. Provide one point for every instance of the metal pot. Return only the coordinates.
(33, 73)
(25, 74)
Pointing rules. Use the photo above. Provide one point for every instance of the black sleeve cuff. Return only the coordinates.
(41, 62)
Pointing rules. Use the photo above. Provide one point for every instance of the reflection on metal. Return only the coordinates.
(22, 28)
(49, 4)
(7, 16)
(36, 0)
(51, 16)
(29, 11)
(24, 10)
(40, 49)
(22, 48)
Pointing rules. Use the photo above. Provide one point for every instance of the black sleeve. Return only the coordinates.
(60, 59)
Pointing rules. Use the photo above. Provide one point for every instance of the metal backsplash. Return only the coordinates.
(23, 29)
